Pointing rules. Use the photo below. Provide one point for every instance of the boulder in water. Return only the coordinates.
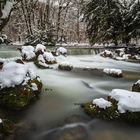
(18, 85)
(65, 66)
(118, 106)
(136, 86)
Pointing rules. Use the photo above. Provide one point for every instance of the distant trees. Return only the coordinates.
(61, 18)
(116, 20)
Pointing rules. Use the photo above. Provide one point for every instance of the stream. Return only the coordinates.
(63, 90)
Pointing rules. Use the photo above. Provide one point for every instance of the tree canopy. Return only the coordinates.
(116, 20)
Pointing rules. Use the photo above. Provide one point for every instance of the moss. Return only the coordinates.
(110, 113)
(20, 96)
(94, 111)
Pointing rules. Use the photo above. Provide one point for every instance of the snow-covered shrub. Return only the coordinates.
(113, 72)
(28, 53)
(136, 86)
(120, 105)
(18, 85)
(65, 66)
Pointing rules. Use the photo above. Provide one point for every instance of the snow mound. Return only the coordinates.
(40, 47)
(12, 74)
(27, 52)
(102, 103)
(112, 71)
(127, 100)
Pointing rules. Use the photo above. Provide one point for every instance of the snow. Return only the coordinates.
(112, 71)
(12, 74)
(7, 9)
(102, 103)
(34, 87)
(127, 100)
(49, 57)
(28, 51)
(40, 47)
(107, 52)
(42, 61)
(138, 82)
(61, 50)
(1, 121)
(65, 63)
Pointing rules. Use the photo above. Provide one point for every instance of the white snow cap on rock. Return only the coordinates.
(138, 82)
(62, 50)
(127, 100)
(49, 57)
(28, 51)
(112, 71)
(40, 47)
(108, 52)
(102, 103)
(65, 63)
(12, 74)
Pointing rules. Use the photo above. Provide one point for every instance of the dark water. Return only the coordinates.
(63, 89)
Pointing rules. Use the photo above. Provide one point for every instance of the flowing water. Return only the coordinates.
(62, 90)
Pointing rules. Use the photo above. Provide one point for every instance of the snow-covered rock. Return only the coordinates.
(41, 62)
(65, 66)
(28, 53)
(12, 74)
(49, 58)
(107, 53)
(120, 105)
(113, 72)
(61, 51)
(127, 100)
(18, 85)
(40, 49)
(102, 103)
(136, 86)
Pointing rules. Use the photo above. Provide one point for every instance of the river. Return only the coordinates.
(62, 90)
